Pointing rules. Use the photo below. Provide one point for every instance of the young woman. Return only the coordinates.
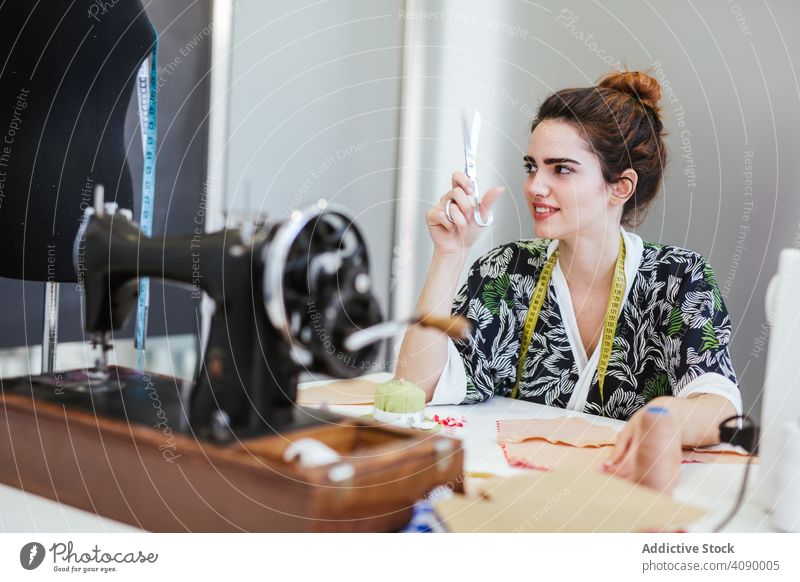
(594, 163)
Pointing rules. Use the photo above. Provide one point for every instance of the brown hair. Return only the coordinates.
(620, 120)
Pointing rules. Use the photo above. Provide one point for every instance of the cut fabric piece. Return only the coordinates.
(565, 500)
(544, 456)
(546, 444)
(577, 432)
(733, 456)
(344, 392)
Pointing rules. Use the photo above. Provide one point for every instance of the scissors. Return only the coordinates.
(471, 133)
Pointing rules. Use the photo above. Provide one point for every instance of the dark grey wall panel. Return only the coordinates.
(184, 29)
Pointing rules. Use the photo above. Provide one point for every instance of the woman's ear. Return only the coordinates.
(624, 188)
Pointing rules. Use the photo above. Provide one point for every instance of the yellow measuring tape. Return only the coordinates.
(609, 323)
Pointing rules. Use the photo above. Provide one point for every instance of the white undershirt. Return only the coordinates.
(452, 385)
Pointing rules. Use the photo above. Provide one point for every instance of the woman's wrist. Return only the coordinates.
(676, 411)
(440, 285)
(449, 260)
(693, 417)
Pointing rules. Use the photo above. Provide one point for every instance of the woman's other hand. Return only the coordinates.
(648, 449)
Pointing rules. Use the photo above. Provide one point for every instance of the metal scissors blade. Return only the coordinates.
(472, 132)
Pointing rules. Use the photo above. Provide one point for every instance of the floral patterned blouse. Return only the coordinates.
(671, 338)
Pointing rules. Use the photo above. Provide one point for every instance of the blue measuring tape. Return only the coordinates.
(148, 107)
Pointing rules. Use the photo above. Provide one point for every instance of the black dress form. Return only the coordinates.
(67, 73)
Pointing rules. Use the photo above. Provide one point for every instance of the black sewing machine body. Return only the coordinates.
(286, 296)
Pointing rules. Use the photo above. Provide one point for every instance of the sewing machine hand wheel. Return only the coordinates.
(318, 290)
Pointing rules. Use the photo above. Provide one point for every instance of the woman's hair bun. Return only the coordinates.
(635, 83)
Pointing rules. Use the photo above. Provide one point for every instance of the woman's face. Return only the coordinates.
(565, 190)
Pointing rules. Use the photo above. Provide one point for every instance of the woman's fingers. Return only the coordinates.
(490, 196)
(456, 212)
(621, 447)
(462, 201)
(461, 194)
(625, 469)
(458, 217)
(437, 217)
(460, 180)
(488, 199)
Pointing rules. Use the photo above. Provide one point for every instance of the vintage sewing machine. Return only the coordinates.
(168, 454)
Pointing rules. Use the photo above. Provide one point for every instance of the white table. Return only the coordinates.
(713, 487)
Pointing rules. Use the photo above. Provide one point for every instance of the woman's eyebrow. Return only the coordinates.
(549, 161)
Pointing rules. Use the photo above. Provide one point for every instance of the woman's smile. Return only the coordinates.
(543, 211)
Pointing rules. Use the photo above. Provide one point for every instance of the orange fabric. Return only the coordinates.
(577, 432)
(544, 456)
(701, 456)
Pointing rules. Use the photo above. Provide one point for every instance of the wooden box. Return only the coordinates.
(168, 481)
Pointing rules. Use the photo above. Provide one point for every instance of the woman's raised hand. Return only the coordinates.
(458, 236)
